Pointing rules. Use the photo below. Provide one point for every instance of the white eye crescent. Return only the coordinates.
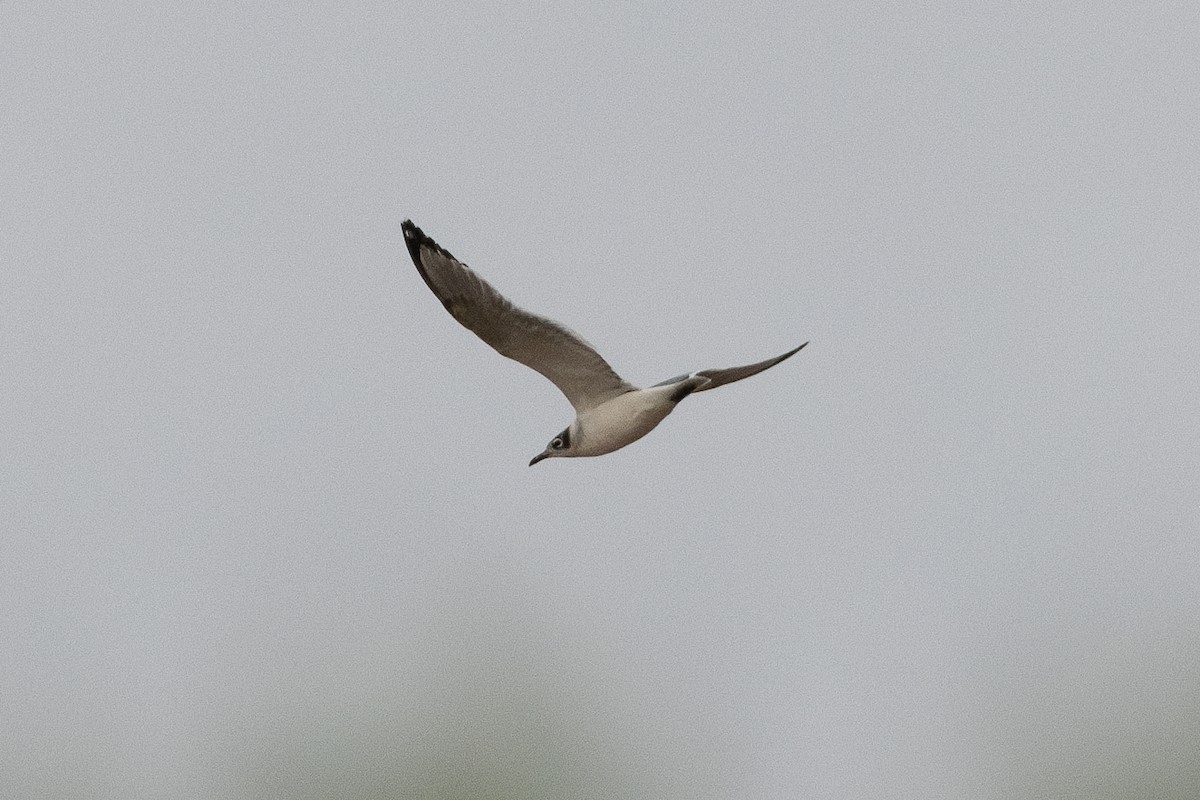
(556, 444)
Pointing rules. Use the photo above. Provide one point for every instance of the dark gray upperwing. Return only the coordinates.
(720, 377)
(554, 350)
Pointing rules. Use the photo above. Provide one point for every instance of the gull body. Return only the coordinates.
(622, 420)
(610, 413)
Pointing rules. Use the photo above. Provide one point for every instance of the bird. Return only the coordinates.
(610, 412)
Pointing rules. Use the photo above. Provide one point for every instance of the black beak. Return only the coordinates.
(539, 457)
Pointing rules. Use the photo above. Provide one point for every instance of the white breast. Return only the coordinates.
(622, 420)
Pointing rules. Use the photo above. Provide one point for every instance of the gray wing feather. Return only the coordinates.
(554, 350)
(720, 377)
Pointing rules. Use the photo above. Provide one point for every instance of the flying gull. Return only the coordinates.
(609, 412)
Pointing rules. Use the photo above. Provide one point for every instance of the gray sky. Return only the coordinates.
(269, 530)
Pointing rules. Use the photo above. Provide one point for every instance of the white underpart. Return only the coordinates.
(622, 420)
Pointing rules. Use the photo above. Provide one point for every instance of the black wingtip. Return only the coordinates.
(791, 353)
(415, 239)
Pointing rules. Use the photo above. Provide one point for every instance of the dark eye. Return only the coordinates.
(556, 444)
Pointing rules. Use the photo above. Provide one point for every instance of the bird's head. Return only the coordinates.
(559, 446)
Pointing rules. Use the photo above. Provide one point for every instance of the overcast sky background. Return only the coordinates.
(268, 528)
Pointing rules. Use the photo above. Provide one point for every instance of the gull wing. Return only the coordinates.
(720, 377)
(554, 350)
